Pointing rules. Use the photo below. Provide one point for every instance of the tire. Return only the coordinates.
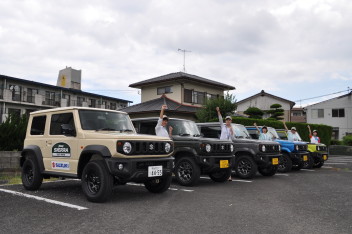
(309, 164)
(285, 164)
(221, 175)
(298, 167)
(187, 172)
(96, 181)
(268, 171)
(245, 167)
(158, 185)
(31, 177)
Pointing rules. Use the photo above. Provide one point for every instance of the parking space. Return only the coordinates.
(307, 201)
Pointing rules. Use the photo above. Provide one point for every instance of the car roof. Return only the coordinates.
(156, 118)
(72, 108)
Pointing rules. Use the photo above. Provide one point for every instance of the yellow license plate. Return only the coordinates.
(275, 161)
(305, 158)
(325, 157)
(224, 163)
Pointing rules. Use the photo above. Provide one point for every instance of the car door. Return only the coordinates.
(61, 144)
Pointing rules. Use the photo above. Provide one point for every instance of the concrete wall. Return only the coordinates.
(150, 92)
(9, 160)
(340, 150)
(344, 124)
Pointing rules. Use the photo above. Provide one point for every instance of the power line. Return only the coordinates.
(348, 90)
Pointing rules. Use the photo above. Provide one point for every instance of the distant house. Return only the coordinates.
(336, 112)
(20, 96)
(182, 92)
(263, 101)
(298, 115)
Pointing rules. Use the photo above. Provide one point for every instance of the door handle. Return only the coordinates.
(48, 142)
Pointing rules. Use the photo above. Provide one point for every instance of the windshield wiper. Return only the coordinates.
(105, 129)
(184, 134)
(126, 130)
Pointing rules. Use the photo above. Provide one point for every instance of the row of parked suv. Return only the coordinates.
(104, 148)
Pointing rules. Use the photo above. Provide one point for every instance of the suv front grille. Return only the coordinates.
(145, 165)
(302, 147)
(272, 148)
(145, 147)
(218, 148)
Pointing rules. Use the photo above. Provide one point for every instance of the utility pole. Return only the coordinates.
(184, 58)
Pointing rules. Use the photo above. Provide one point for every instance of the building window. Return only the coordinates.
(211, 96)
(296, 114)
(49, 98)
(317, 113)
(339, 113)
(192, 96)
(80, 101)
(16, 92)
(112, 106)
(92, 103)
(31, 95)
(162, 90)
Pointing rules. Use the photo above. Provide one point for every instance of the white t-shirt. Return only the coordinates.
(265, 136)
(225, 131)
(293, 137)
(160, 130)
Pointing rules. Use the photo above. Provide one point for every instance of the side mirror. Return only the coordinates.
(68, 130)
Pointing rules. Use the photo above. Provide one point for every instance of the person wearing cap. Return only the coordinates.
(293, 134)
(160, 128)
(227, 132)
(263, 135)
(313, 137)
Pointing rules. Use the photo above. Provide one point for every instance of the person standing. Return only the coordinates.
(313, 137)
(160, 128)
(227, 132)
(263, 135)
(293, 134)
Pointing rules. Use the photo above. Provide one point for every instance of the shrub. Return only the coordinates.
(335, 142)
(13, 132)
(347, 140)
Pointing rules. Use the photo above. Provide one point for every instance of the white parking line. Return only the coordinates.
(279, 174)
(44, 199)
(245, 181)
(326, 167)
(307, 170)
(173, 189)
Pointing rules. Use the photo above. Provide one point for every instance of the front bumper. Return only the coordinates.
(211, 164)
(320, 156)
(299, 157)
(136, 169)
(266, 160)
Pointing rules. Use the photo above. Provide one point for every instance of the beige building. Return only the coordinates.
(20, 96)
(183, 93)
(263, 101)
(298, 115)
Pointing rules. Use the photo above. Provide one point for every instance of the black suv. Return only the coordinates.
(194, 154)
(251, 155)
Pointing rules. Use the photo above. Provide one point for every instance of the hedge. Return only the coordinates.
(13, 132)
(324, 131)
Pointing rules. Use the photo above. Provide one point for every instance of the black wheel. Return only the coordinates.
(298, 166)
(309, 163)
(159, 185)
(221, 175)
(268, 171)
(319, 164)
(245, 167)
(285, 163)
(31, 177)
(187, 172)
(96, 181)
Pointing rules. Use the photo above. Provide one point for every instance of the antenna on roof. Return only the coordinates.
(184, 58)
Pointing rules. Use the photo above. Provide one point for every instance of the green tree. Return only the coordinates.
(276, 112)
(254, 113)
(227, 106)
(13, 132)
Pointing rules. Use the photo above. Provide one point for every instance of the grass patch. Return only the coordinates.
(8, 178)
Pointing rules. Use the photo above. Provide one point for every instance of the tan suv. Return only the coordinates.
(98, 146)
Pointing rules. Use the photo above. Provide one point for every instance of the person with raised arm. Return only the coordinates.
(160, 128)
(292, 135)
(263, 135)
(313, 137)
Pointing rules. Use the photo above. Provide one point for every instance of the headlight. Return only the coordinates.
(208, 148)
(167, 147)
(263, 148)
(127, 147)
(318, 148)
(296, 147)
(231, 148)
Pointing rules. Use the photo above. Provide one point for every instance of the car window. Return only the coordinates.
(57, 120)
(211, 132)
(38, 125)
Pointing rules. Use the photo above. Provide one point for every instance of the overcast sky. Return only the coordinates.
(292, 49)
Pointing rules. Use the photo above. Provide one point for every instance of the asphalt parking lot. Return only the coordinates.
(307, 201)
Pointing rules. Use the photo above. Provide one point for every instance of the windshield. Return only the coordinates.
(184, 128)
(240, 131)
(273, 133)
(105, 121)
